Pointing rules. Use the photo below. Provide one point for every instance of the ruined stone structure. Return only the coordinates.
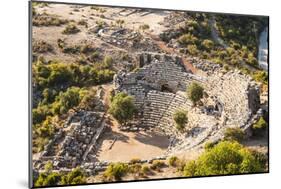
(231, 99)
(74, 144)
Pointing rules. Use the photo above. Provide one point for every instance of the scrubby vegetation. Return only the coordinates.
(49, 178)
(195, 92)
(122, 108)
(225, 158)
(71, 29)
(115, 171)
(157, 165)
(45, 19)
(240, 34)
(174, 161)
(180, 118)
(62, 75)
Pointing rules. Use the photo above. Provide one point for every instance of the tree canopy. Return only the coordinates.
(122, 107)
(180, 118)
(195, 92)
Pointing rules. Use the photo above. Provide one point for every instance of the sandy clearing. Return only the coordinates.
(129, 145)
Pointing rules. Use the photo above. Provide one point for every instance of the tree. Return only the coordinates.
(122, 107)
(180, 118)
(66, 100)
(195, 92)
(225, 158)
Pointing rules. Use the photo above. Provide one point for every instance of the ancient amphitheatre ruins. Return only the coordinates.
(157, 75)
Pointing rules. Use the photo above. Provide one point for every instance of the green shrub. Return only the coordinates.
(261, 76)
(192, 49)
(157, 165)
(67, 100)
(145, 170)
(49, 178)
(116, 171)
(173, 161)
(234, 134)
(195, 92)
(45, 179)
(187, 39)
(208, 44)
(180, 118)
(40, 113)
(135, 168)
(225, 158)
(76, 176)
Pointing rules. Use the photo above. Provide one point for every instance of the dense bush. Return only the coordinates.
(223, 159)
(195, 92)
(116, 171)
(122, 107)
(234, 134)
(67, 100)
(180, 118)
